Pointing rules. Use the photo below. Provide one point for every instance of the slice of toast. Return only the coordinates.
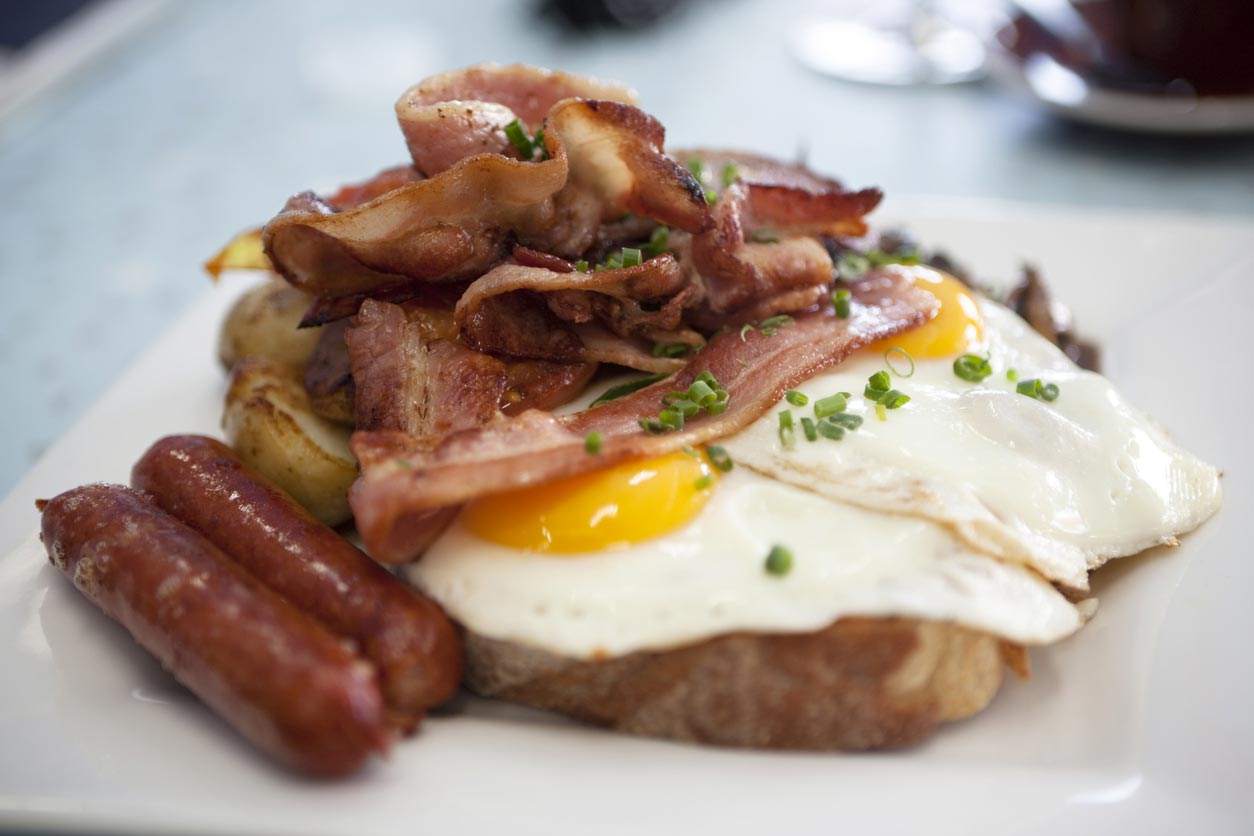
(861, 683)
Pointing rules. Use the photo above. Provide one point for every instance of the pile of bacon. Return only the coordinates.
(480, 286)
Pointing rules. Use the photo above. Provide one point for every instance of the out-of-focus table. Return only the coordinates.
(120, 182)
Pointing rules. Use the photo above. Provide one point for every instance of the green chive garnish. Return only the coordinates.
(807, 427)
(972, 367)
(1012, 375)
(796, 398)
(742, 361)
(772, 324)
(888, 360)
(697, 167)
(730, 173)
(779, 561)
(671, 349)
(845, 419)
(831, 405)
(764, 236)
(581, 266)
(744, 330)
(832, 430)
(787, 433)
(703, 481)
(592, 442)
(631, 257)
(517, 135)
(851, 265)
(657, 241)
(841, 298)
(719, 457)
(616, 392)
(1034, 388)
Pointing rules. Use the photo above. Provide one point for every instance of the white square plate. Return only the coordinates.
(1142, 723)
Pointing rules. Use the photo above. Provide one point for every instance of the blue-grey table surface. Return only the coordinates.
(118, 184)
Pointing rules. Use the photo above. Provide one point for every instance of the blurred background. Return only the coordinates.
(137, 136)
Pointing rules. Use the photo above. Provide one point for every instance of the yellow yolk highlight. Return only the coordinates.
(955, 329)
(628, 502)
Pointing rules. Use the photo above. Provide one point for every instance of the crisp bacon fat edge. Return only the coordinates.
(482, 285)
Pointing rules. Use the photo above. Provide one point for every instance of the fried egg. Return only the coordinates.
(1060, 485)
(961, 505)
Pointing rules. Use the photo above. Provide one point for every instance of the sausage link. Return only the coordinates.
(408, 637)
(277, 676)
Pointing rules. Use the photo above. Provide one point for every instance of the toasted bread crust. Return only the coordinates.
(861, 683)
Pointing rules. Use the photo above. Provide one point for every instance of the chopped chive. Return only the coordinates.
(796, 398)
(592, 442)
(720, 403)
(972, 367)
(851, 265)
(703, 481)
(841, 298)
(772, 324)
(697, 168)
(744, 330)
(702, 393)
(719, 457)
(880, 381)
(889, 362)
(631, 257)
(1012, 375)
(807, 427)
(657, 241)
(616, 392)
(742, 361)
(671, 419)
(779, 561)
(537, 144)
(517, 135)
(689, 450)
(686, 407)
(893, 399)
(879, 258)
(581, 266)
(787, 433)
(846, 419)
(730, 173)
(830, 429)
(671, 349)
(764, 236)
(824, 407)
(1034, 388)
(710, 197)
(880, 412)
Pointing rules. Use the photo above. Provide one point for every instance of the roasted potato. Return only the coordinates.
(263, 324)
(269, 422)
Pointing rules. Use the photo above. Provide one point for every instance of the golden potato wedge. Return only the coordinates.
(263, 324)
(268, 420)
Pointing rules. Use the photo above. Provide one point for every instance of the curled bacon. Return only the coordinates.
(605, 160)
(449, 117)
(403, 478)
(795, 205)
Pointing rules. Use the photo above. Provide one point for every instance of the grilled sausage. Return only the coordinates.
(277, 676)
(408, 637)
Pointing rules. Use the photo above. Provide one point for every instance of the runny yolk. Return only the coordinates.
(627, 502)
(957, 328)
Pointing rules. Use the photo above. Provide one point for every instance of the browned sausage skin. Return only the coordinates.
(277, 676)
(415, 647)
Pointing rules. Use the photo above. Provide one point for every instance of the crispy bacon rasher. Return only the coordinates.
(404, 481)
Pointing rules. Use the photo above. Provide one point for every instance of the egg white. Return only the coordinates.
(708, 578)
(1061, 486)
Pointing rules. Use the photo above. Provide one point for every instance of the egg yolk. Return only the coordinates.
(955, 329)
(627, 502)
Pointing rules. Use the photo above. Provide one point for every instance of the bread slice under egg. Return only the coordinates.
(861, 683)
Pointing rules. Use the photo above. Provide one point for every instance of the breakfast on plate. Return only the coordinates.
(668, 441)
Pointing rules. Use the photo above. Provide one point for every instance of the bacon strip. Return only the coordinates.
(795, 205)
(403, 479)
(605, 159)
(451, 116)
